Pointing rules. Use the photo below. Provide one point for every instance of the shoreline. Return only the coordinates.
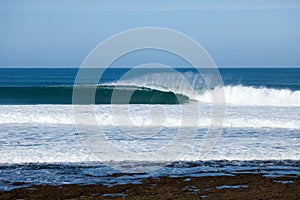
(239, 186)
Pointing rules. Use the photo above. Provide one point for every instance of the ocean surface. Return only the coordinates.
(40, 144)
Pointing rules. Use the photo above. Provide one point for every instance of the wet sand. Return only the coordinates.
(242, 186)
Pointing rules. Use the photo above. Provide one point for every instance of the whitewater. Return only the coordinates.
(251, 96)
(236, 116)
(47, 133)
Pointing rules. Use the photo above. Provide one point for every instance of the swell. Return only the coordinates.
(63, 95)
(133, 94)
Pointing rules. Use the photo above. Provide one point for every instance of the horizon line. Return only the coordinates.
(126, 67)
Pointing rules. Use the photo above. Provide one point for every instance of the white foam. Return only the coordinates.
(140, 115)
(242, 95)
(47, 133)
(60, 143)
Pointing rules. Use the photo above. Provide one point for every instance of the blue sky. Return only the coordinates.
(235, 33)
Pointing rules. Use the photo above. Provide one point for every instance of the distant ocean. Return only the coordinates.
(39, 143)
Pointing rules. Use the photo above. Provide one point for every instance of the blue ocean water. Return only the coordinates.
(40, 143)
(278, 78)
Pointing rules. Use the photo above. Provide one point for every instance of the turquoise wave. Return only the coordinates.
(104, 94)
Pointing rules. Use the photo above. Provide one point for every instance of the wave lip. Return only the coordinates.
(251, 96)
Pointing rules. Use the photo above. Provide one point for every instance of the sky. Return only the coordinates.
(235, 33)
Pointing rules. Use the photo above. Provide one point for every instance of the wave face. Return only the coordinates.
(63, 95)
(245, 95)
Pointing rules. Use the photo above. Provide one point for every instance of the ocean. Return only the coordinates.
(40, 142)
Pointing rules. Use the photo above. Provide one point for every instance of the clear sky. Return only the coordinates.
(235, 33)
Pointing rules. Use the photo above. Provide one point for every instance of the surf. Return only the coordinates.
(254, 96)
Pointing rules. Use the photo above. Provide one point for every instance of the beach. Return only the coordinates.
(240, 186)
